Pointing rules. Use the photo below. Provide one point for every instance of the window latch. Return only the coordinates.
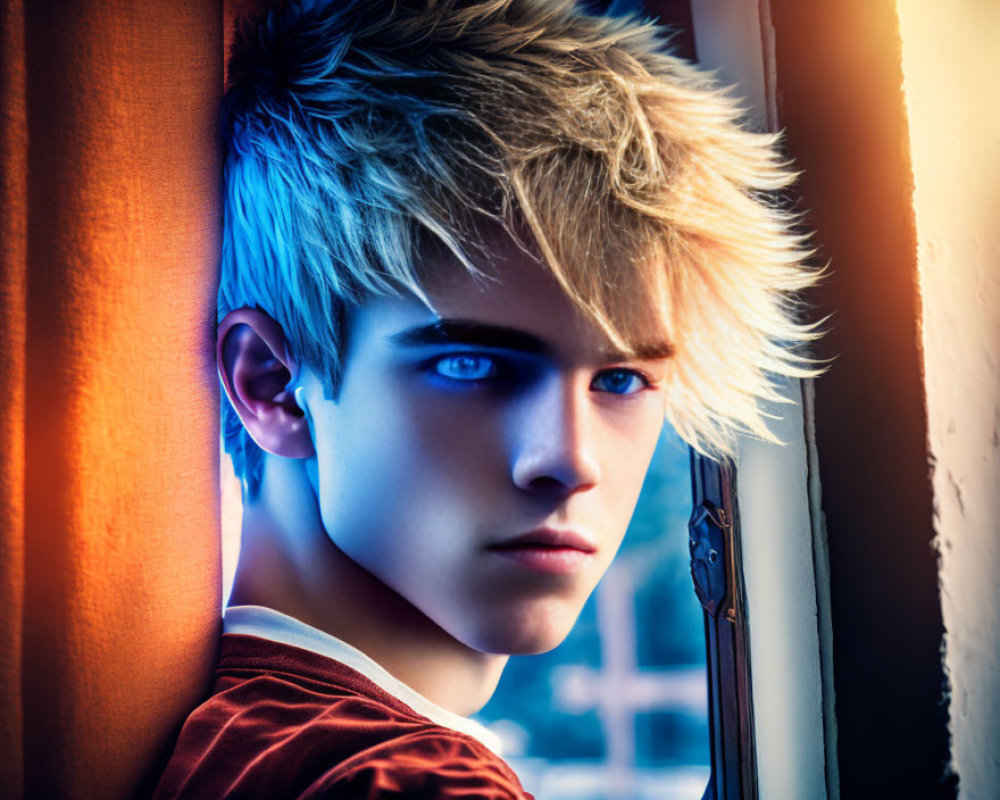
(707, 542)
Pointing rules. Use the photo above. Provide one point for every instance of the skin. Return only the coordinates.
(384, 515)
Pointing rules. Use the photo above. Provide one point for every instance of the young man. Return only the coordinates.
(474, 254)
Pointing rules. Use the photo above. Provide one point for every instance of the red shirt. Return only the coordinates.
(283, 722)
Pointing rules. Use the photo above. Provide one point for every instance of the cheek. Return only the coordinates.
(448, 433)
(450, 444)
(628, 455)
(398, 464)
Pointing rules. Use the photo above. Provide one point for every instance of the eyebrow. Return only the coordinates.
(653, 351)
(460, 331)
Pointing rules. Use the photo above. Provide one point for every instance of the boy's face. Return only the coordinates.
(484, 462)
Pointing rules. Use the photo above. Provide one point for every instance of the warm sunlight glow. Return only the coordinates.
(950, 65)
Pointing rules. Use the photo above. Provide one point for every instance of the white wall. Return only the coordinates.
(951, 64)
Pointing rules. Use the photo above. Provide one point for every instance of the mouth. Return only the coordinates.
(547, 550)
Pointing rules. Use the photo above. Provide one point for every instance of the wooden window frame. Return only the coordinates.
(716, 569)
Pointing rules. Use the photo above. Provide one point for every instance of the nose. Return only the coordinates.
(555, 447)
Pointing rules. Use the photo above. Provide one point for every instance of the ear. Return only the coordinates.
(255, 366)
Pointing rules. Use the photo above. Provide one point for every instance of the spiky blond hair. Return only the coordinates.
(359, 131)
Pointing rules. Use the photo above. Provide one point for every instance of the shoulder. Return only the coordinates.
(431, 763)
(294, 726)
(353, 748)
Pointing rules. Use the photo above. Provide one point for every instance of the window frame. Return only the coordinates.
(773, 728)
(716, 568)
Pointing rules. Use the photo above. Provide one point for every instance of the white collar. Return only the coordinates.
(270, 624)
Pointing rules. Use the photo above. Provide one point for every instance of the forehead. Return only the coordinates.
(516, 290)
(515, 293)
(516, 309)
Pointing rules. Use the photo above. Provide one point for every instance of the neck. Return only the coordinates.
(288, 563)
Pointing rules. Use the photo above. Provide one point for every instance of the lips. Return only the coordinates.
(547, 550)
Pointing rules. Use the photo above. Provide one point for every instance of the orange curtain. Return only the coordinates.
(109, 545)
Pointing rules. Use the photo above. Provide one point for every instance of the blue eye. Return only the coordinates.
(465, 367)
(619, 381)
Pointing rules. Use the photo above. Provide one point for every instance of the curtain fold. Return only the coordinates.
(109, 542)
(13, 266)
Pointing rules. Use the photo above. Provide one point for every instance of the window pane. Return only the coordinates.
(619, 710)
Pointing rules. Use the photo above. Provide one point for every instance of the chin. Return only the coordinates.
(527, 633)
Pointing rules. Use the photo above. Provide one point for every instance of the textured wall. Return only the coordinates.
(951, 62)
